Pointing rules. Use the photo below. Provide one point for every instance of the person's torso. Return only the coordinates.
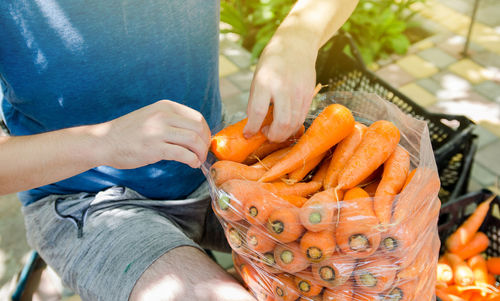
(75, 62)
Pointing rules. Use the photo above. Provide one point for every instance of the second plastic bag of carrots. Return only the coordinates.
(345, 210)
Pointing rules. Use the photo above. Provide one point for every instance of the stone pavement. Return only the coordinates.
(433, 73)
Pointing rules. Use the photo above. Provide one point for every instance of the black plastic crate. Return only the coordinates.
(451, 136)
(453, 214)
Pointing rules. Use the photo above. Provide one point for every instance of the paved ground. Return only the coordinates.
(433, 73)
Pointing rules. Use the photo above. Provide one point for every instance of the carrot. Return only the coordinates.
(478, 244)
(230, 205)
(356, 233)
(332, 125)
(333, 271)
(289, 258)
(301, 189)
(221, 171)
(319, 213)
(493, 264)
(319, 175)
(407, 209)
(378, 143)
(267, 263)
(409, 178)
(462, 273)
(466, 231)
(284, 288)
(393, 178)
(340, 293)
(284, 224)
(295, 200)
(259, 204)
(491, 278)
(318, 246)
(230, 144)
(313, 298)
(235, 236)
(444, 273)
(269, 147)
(271, 159)
(299, 174)
(258, 240)
(444, 296)
(375, 275)
(305, 286)
(343, 152)
(479, 269)
(402, 290)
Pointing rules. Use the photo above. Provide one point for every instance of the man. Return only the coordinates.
(111, 105)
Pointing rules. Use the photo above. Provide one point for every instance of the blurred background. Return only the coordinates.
(443, 55)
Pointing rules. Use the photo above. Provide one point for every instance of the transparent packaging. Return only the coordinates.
(330, 245)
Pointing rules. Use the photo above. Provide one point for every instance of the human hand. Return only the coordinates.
(285, 75)
(164, 130)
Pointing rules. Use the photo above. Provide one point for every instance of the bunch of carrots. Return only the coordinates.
(330, 214)
(462, 272)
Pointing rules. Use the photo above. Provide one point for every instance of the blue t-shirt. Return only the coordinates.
(73, 62)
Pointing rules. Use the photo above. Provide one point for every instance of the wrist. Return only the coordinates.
(92, 149)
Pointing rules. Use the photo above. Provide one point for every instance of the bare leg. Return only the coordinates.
(186, 273)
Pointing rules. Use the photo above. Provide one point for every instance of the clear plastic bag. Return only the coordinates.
(334, 247)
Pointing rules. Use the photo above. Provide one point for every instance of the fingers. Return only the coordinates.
(200, 128)
(258, 105)
(180, 154)
(189, 140)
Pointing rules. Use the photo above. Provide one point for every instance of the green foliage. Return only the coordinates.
(378, 26)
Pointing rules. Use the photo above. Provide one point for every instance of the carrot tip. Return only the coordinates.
(315, 218)
(223, 202)
(314, 253)
(327, 273)
(359, 242)
(390, 244)
(367, 279)
(286, 256)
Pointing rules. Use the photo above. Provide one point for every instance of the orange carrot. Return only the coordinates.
(298, 174)
(230, 144)
(378, 143)
(342, 292)
(356, 233)
(303, 189)
(478, 244)
(295, 200)
(221, 171)
(444, 296)
(466, 231)
(320, 211)
(318, 246)
(259, 240)
(284, 288)
(375, 275)
(313, 298)
(289, 258)
(333, 271)
(444, 273)
(272, 159)
(409, 178)
(393, 178)
(284, 224)
(332, 125)
(493, 264)
(267, 263)
(229, 205)
(491, 278)
(305, 286)
(462, 273)
(320, 174)
(260, 203)
(342, 154)
(235, 236)
(406, 208)
(269, 147)
(479, 269)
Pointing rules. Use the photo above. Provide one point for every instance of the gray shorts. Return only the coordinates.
(100, 244)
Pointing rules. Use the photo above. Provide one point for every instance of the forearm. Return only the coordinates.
(317, 20)
(36, 160)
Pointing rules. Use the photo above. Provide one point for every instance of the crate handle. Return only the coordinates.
(451, 123)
